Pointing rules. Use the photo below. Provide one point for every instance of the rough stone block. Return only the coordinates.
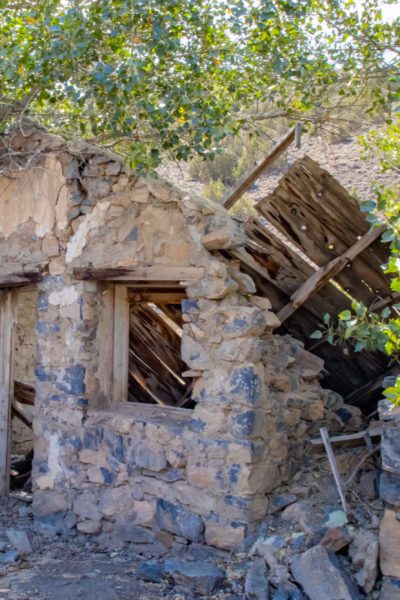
(389, 544)
(194, 354)
(320, 576)
(116, 500)
(225, 535)
(246, 385)
(148, 456)
(179, 520)
(89, 527)
(85, 505)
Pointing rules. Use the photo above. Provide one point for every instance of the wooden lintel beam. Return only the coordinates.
(248, 180)
(323, 275)
(157, 297)
(150, 274)
(8, 280)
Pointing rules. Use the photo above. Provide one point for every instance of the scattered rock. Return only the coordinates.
(288, 591)
(335, 539)
(366, 486)
(198, 577)
(389, 544)
(390, 589)
(20, 541)
(389, 488)
(281, 501)
(152, 570)
(256, 585)
(321, 577)
(268, 548)
(9, 557)
(364, 555)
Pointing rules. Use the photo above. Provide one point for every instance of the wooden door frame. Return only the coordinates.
(7, 318)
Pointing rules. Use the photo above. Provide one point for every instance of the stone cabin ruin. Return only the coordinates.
(165, 407)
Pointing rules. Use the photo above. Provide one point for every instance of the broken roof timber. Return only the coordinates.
(148, 274)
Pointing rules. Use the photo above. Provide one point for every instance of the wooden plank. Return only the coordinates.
(121, 344)
(350, 437)
(7, 302)
(18, 279)
(381, 304)
(318, 215)
(249, 178)
(106, 350)
(321, 277)
(154, 274)
(332, 461)
(157, 297)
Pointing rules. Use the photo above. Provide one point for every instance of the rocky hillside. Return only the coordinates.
(341, 159)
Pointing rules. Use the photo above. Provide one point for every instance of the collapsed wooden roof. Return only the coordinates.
(311, 252)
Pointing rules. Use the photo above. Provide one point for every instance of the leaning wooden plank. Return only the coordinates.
(6, 343)
(19, 411)
(324, 274)
(332, 461)
(154, 274)
(249, 178)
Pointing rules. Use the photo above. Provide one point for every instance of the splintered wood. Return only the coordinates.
(155, 364)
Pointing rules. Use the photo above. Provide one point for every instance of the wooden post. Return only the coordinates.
(121, 344)
(6, 385)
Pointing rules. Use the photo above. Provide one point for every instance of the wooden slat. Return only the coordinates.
(153, 274)
(249, 178)
(317, 214)
(121, 344)
(321, 277)
(6, 384)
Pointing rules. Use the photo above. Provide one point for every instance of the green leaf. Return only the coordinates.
(316, 335)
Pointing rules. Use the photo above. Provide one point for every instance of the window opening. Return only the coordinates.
(155, 363)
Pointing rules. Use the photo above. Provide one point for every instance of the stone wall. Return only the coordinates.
(126, 471)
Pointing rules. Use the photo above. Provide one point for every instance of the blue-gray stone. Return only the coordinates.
(74, 377)
(181, 521)
(389, 488)
(151, 570)
(246, 383)
(12, 556)
(45, 327)
(116, 445)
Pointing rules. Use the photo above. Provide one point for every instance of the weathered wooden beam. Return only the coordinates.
(357, 397)
(327, 272)
(349, 438)
(150, 274)
(7, 311)
(377, 306)
(156, 297)
(248, 179)
(20, 278)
